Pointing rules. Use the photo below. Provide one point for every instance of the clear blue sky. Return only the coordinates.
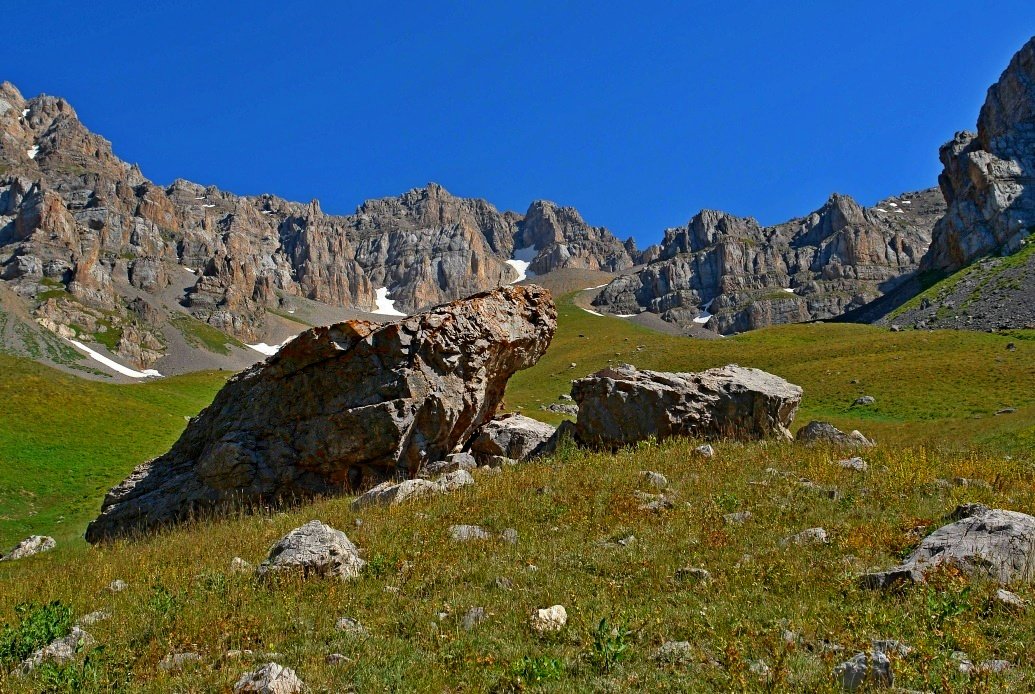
(639, 114)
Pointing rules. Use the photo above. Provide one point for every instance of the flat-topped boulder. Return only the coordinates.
(513, 436)
(622, 405)
(340, 408)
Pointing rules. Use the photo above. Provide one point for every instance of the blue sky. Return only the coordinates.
(637, 114)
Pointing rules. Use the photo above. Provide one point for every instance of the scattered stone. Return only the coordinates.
(1010, 599)
(466, 533)
(512, 436)
(549, 619)
(240, 566)
(561, 408)
(340, 407)
(812, 536)
(117, 586)
(653, 502)
(759, 668)
(510, 535)
(177, 661)
(452, 463)
(994, 543)
(351, 627)
(622, 405)
(857, 464)
(504, 583)
(966, 482)
(790, 637)
(828, 492)
(705, 451)
(1006, 410)
(36, 544)
(94, 617)
(335, 659)
(693, 574)
(271, 678)
(994, 666)
(474, 617)
(653, 479)
(824, 432)
(59, 651)
(497, 462)
(864, 401)
(738, 518)
(891, 647)
(394, 493)
(966, 511)
(963, 661)
(674, 652)
(314, 549)
(862, 669)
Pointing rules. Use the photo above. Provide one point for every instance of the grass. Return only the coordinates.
(936, 392)
(199, 334)
(64, 440)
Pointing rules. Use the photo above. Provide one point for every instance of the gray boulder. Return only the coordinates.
(314, 549)
(824, 432)
(394, 493)
(467, 533)
(510, 436)
(35, 544)
(60, 651)
(622, 405)
(865, 670)
(452, 463)
(339, 408)
(271, 678)
(993, 543)
(864, 401)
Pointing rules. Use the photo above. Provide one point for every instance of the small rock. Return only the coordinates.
(177, 661)
(674, 652)
(394, 493)
(36, 544)
(705, 451)
(653, 479)
(758, 667)
(966, 511)
(59, 651)
(693, 574)
(351, 626)
(1006, 410)
(466, 533)
(549, 619)
(452, 463)
(864, 401)
(995, 666)
(240, 566)
(338, 659)
(812, 536)
(271, 678)
(474, 617)
(1011, 347)
(891, 647)
(510, 535)
(1009, 599)
(504, 583)
(117, 586)
(861, 670)
(653, 502)
(790, 637)
(98, 616)
(857, 464)
(963, 661)
(824, 432)
(738, 518)
(965, 482)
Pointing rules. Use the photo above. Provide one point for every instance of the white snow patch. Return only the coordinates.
(193, 272)
(907, 202)
(266, 212)
(901, 211)
(705, 316)
(208, 205)
(625, 315)
(892, 204)
(523, 257)
(114, 365)
(25, 113)
(789, 290)
(593, 312)
(385, 306)
(33, 152)
(268, 350)
(200, 197)
(599, 286)
(880, 209)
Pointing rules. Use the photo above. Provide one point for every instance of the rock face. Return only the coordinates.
(621, 405)
(987, 179)
(339, 408)
(315, 549)
(997, 544)
(98, 252)
(512, 436)
(729, 274)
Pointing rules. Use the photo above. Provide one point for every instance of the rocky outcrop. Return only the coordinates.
(729, 274)
(990, 543)
(989, 177)
(83, 233)
(622, 405)
(339, 408)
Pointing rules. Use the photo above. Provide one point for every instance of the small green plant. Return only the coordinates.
(162, 603)
(943, 605)
(727, 501)
(610, 645)
(542, 668)
(37, 626)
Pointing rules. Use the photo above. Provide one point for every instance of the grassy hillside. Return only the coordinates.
(64, 440)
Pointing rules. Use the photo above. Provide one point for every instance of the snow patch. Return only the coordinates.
(208, 205)
(705, 316)
(592, 312)
(193, 272)
(625, 315)
(892, 204)
(907, 202)
(880, 209)
(114, 365)
(385, 306)
(789, 290)
(33, 152)
(25, 113)
(268, 350)
(599, 286)
(522, 258)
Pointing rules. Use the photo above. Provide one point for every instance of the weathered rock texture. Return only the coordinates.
(84, 235)
(315, 549)
(729, 274)
(512, 436)
(35, 544)
(989, 176)
(993, 543)
(341, 407)
(621, 405)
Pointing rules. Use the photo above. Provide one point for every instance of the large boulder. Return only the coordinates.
(825, 432)
(314, 549)
(341, 407)
(993, 543)
(622, 405)
(513, 436)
